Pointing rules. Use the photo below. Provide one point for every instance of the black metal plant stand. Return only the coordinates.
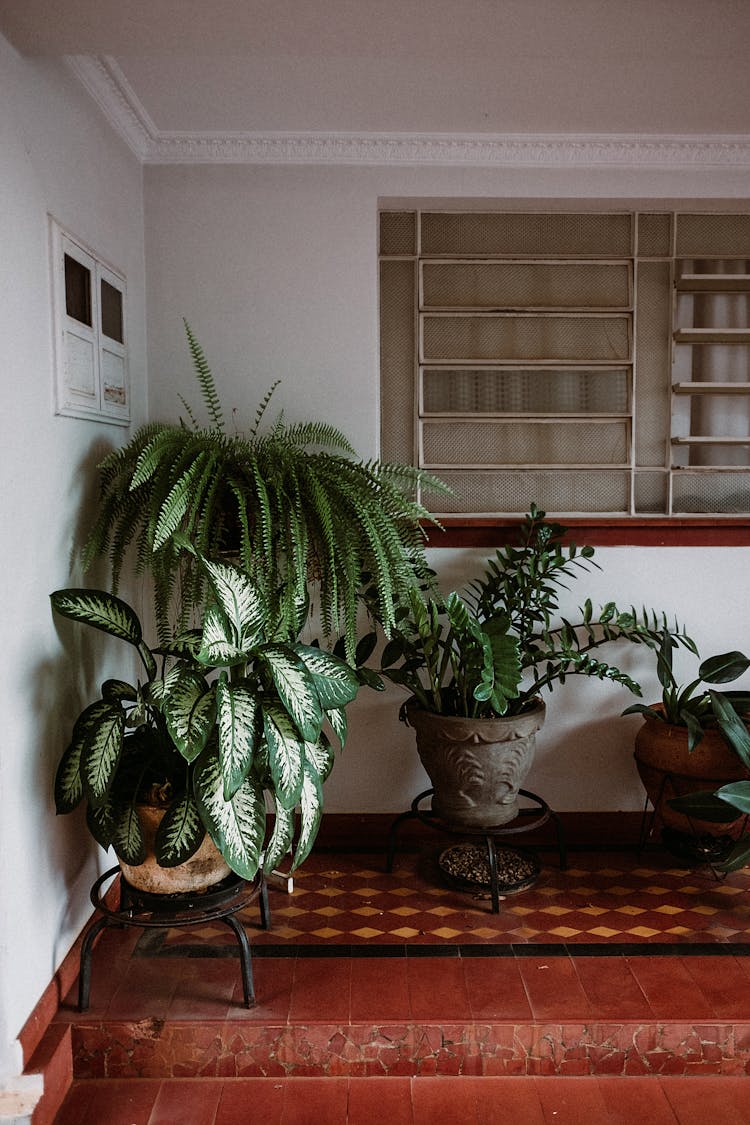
(540, 814)
(139, 908)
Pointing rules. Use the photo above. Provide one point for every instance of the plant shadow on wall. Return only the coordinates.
(477, 667)
(232, 707)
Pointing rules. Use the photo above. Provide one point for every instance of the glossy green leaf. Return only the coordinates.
(219, 643)
(180, 833)
(320, 756)
(238, 826)
(286, 754)
(190, 711)
(295, 686)
(101, 824)
(116, 691)
(737, 794)
(337, 719)
(724, 668)
(100, 753)
(237, 714)
(703, 805)
(732, 726)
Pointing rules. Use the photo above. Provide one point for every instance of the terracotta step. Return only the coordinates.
(53, 1060)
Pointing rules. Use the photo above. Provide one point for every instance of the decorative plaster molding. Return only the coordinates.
(110, 89)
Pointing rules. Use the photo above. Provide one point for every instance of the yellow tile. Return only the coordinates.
(564, 931)
(520, 910)
(330, 892)
(483, 932)
(604, 931)
(583, 890)
(289, 911)
(402, 892)
(367, 874)
(404, 932)
(593, 910)
(286, 931)
(550, 892)
(404, 911)
(367, 932)
(668, 910)
(617, 890)
(656, 890)
(327, 911)
(366, 892)
(524, 932)
(642, 931)
(678, 931)
(555, 910)
(326, 874)
(366, 911)
(725, 889)
(446, 932)
(630, 910)
(440, 911)
(704, 909)
(327, 932)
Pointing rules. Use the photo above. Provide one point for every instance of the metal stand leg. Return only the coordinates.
(393, 832)
(494, 891)
(265, 912)
(84, 975)
(245, 959)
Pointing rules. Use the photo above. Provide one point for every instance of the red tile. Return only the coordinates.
(636, 1099)
(444, 1101)
(312, 1101)
(74, 1109)
(503, 1100)
(118, 1102)
(272, 980)
(187, 1102)
(700, 1100)
(205, 989)
(724, 983)
(611, 988)
(570, 1101)
(669, 988)
(380, 1099)
(437, 988)
(321, 989)
(379, 989)
(145, 989)
(246, 1100)
(495, 989)
(554, 990)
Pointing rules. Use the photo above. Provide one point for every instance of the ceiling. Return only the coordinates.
(481, 68)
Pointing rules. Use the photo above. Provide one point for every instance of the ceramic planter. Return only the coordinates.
(203, 870)
(668, 769)
(476, 766)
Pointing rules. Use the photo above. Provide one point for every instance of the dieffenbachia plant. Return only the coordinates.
(234, 713)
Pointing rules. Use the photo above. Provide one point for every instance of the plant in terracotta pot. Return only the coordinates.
(286, 503)
(693, 739)
(476, 668)
(224, 716)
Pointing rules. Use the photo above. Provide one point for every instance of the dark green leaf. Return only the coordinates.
(180, 833)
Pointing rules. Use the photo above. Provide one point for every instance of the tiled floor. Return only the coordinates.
(586, 996)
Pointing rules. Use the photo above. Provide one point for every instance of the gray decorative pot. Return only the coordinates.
(476, 766)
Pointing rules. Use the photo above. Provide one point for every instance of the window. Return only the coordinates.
(597, 364)
(91, 370)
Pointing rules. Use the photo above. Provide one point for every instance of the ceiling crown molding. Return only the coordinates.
(111, 91)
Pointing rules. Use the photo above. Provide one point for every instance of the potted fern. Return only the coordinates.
(287, 503)
(175, 770)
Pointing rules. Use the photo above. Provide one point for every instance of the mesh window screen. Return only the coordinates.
(512, 491)
(524, 443)
(535, 338)
(492, 285)
(509, 234)
(526, 391)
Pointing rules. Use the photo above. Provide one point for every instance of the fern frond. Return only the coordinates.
(205, 379)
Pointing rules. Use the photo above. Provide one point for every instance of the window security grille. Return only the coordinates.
(595, 363)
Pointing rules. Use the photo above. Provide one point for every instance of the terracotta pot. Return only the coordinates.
(668, 769)
(476, 766)
(204, 869)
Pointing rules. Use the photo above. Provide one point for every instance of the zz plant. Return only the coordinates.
(225, 715)
(287, 503)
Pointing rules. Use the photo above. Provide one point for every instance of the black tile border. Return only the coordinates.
(151, 945)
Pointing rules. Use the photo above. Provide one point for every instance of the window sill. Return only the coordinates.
(657, 531)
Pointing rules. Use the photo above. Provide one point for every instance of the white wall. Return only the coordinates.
(275, 268)
(56, 155)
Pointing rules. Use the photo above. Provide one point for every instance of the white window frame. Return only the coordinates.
(91, 378)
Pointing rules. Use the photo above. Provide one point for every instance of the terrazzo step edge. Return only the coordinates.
(241, 1048)
(53, 1060)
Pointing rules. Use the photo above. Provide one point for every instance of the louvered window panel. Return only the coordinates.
(591, 362)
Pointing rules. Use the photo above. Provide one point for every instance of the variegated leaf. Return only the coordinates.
(219, 644)
(240, 601)
(281, 839)
(180, 833)
(116, 690)
(286, 754)
(100, 754)
(311, 811)
(68, 784)
(320, 756)
(237, 711)
(237, 827)
(185, 646)
(295, 686)
(335, 682)
(127, 835)
(100, 610)
(100, 822)
(337, 719)
(190, 713)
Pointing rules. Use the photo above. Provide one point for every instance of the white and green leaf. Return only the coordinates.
(101, 750)
(320, 756)
(286, 754)
(237, 713)
(219, 642)
(337, 719)
(101, 610)
(335, 681)
(295, 686)
(238, 826)
(127, 834)
(101, 824)
(180, 833)
(280, 842)
(68, 784)
(190, 711)
(311, 812)
(239, 600)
